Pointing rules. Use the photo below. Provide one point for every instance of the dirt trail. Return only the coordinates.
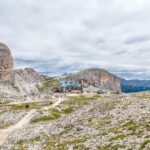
(54, 105)
(4, 133)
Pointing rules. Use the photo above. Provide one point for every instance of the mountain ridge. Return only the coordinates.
(129, 86)
(96, 77)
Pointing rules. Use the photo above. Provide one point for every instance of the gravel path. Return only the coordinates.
(4, 133)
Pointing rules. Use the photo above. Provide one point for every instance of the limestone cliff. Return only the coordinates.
(98, 78)
(22, 82)
(6, 63)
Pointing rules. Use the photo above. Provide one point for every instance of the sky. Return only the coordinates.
(64, 36)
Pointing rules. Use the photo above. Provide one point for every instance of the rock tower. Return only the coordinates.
(6, 63)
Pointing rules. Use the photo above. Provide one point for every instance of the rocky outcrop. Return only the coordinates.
(26, 80)
(25, 84)
(6, 63)
(28, 75)
(22, 82)
(98, 78)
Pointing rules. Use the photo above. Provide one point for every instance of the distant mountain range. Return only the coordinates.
(129, 86)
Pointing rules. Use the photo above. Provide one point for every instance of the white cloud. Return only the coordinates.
(67, 35)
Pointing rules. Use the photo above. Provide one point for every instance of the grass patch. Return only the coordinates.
(78, 101)
(50, 82)
(99, 122)
(118, 137)
(68, 110)
(76, 143)
(52, 114)
(35, 139)
(143, 145)
(111, 147)
(32, 105)
(22, 106)
(133, 127)
(19, 145)
(128, 123)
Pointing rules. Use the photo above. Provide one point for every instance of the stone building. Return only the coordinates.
(70, 85)
(6, 63)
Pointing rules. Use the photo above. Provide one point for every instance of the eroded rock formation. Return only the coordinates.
(98, 78)
(6, 63)
(17, 82)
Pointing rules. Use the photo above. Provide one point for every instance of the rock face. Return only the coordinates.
(17, 82)
(98, 78)
(6, 63)
(26, 80)
(24, 83)
(28, 75)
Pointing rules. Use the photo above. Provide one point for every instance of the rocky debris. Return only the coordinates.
(29, 75)
(6, 63)
(26, 80)
(25, 84)
(98, 78)
(11, 117)
(115, 122)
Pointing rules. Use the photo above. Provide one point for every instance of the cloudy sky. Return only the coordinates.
(58, 36)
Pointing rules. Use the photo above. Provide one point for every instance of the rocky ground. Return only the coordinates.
(95, 122)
